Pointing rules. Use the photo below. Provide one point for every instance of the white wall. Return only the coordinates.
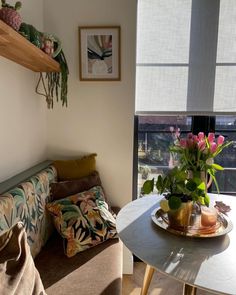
(22, 112)
(99, 117)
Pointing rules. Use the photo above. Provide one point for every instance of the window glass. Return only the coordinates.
(157, 133)
(226, 126)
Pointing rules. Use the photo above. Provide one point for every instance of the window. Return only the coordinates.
(186, 58)
(185, 67)
(156, 133)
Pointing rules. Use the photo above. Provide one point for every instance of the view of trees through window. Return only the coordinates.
(157, 133)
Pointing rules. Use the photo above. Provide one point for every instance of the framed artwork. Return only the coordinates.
(99, 53)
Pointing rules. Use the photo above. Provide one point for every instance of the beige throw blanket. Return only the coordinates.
(18, 274)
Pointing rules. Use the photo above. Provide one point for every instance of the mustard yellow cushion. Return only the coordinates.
(74, 169)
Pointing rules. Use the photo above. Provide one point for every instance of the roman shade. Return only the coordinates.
(186, 57)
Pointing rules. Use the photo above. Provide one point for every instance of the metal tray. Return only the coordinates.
(222, 227)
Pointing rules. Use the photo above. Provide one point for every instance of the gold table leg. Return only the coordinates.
(189, 290)
(147, 279)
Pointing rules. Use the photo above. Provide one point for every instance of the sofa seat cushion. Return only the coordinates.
(95, 271)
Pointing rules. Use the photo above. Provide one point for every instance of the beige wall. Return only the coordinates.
(22, 112)
(99, 117)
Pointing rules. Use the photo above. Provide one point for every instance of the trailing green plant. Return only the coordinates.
(31, 34)
(58, 81)
(177, 188)
(55, 84)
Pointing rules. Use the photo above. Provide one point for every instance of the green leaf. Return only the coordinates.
(181, 175)
(174, 202)
(165, 183)
(201, 200)
(212, 174)
(159, 184)
(148, 186)
(197, 180)
(207, 200)
(217, 167)
(191, 185)
(202, 186)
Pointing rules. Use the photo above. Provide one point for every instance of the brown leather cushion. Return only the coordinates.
(95, 271)
(60, 190)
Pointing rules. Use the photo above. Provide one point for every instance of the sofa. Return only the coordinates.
(97, 270)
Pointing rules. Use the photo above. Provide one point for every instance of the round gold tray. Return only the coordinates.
(222, 227)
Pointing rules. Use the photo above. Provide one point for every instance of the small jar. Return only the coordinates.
(208, 216)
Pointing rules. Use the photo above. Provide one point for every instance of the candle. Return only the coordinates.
(208, 216)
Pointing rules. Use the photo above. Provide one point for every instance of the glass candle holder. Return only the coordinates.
(208, 216)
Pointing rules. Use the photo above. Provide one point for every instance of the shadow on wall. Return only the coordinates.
(67, 154)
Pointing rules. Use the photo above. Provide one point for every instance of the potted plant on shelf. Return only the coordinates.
(54, 84)
(9, 14)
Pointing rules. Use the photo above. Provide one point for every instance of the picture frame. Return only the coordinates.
(99, 56)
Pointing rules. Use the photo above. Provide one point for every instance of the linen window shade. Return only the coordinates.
(186, 57)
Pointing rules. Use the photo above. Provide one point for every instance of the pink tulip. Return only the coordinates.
(213, 147)
(220, 140)
(189, 136)
(201, 135)
(211, 137)
(201, 145)
(177, 133)
(195, 138)
(183, 143)
(190, 143)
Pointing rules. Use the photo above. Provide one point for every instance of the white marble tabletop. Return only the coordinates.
(206, 263)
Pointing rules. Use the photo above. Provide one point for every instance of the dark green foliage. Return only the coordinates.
(178, 188)
(31, 34)
(174, 202)
(56, 82)
(17, 6)
(148, 186)
(59, 81)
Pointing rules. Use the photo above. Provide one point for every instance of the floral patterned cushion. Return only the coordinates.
(83, 220)
(26, 203)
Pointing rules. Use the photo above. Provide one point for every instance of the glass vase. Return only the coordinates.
(180, 218)
(202, 175)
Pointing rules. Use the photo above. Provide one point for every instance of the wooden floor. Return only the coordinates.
(160, 285)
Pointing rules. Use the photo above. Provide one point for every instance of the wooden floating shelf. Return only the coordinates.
(15, 47)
